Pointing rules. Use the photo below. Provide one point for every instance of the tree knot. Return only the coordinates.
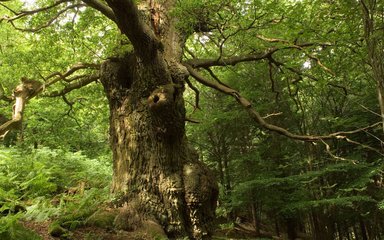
(168, 113)
(163, 97)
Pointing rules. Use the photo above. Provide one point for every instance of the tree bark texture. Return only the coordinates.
(153, 165)
(158, 175)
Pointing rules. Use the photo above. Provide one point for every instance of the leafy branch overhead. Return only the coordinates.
(247, 105)
(141, 35)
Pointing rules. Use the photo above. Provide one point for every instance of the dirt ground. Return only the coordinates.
(40, 228)
(93, 233)
(86, 233)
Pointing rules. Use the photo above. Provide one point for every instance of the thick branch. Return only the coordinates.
(8, 126)
(21, 94)
(130, 23)
(101, 7)
(247, 105)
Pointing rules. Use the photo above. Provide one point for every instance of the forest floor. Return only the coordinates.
(94, 233)
(85, 233)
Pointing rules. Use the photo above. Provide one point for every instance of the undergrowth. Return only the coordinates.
(49, 184)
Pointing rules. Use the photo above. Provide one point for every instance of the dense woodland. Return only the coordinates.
(191, 119)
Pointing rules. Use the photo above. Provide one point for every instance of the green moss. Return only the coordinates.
(102, 219)
(55, 230)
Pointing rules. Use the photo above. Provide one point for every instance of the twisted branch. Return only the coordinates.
(247, 105)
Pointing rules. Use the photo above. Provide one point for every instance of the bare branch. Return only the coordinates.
(57, 76)
(328, 150)
(47, 24)
(213, 75)
(294, 70)
(273, 87)
(197, 93)
(72, 70)
(272, 40)
(9, 9)
(247, 105)
(301, 74)
(272, 115)
(31, 12)
(301, 47)
(320, 63)
(363, 145)
(292, 45)
(76, 85)
(191, 120)
(70, 104)
(369, 110)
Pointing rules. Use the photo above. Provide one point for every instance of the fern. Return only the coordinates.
(39, 179)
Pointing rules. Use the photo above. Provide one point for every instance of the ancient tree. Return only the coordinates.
(155, 171)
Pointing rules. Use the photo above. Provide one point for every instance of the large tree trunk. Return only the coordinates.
(156, 172)
(158, 176)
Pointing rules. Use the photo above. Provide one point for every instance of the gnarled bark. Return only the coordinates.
(157, 174)
(153, 166)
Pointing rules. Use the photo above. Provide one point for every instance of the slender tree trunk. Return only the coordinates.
(356, 233)
(277, 228)
(228, 185)
(323, 229)
(154, 169)
(256, 217)
(291, 224)
(363, 229)
(373, 35)
(348, 233)
(380, 94)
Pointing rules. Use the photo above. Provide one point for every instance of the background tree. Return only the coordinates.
(311, 188)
